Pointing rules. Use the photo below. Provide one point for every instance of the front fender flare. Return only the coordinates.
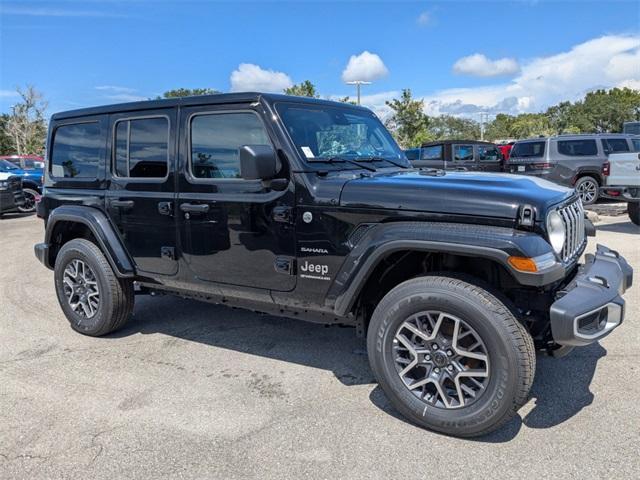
(102, 230)
(494, 243)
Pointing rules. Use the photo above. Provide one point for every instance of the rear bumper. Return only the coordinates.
(591, 306)
(10, 200)
(623, 194)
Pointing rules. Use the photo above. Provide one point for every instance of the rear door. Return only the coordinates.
(463, 157)
(575, 157)
(141, 194)
(489, 158)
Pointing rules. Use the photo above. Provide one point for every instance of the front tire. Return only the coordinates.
(633, 209)
(30, 197)
(450, 356)
(94, 300)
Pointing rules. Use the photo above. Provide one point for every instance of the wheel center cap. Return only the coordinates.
(440, 359)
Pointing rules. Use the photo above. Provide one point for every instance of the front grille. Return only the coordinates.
(574, 228)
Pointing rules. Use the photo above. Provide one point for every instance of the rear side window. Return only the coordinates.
(77, 150)
(615, 145)
(527, 150)
(142, 148)
(463, 153)
(577, 148)
(412, 154)
(488, 154)
(636, 144)
(216, 140)
(433, 152)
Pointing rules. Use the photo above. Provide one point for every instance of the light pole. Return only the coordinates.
(357, 83)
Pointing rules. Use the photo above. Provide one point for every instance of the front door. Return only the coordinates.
(141, 192)
(232, 231)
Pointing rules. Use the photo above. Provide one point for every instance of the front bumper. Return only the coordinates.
(42, 254)
(591, 305)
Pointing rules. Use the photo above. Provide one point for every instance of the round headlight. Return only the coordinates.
(555, 231)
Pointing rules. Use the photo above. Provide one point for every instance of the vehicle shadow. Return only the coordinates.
(626, 227)
(12, 215)
(560, 390)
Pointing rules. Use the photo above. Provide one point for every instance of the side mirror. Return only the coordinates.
(258, 162)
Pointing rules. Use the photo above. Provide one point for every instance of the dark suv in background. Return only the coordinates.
(31, 170)
(578, 161)
(457, 155)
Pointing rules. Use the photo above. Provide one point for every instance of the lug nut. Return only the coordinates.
(437, 370)
(427, 357)
(434, 346)
(450, 368)
(449, 352)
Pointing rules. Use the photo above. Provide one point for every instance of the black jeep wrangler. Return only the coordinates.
(308, 209)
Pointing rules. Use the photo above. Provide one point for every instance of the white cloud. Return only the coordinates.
(115, 89)
(116, 93)
(424, 19)
(249, 77)
(480, 66)
(602, 62)
(8, 93)
(367, 66)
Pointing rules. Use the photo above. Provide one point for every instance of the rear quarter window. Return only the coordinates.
(433, 152)
(577, 148)
(528, 150)
(77, 150)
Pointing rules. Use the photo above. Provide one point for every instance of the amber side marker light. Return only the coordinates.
(523, 264)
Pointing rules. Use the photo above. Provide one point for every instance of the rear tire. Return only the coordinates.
(95, 301)
(633, 208)
(588, 189)
(474, 325)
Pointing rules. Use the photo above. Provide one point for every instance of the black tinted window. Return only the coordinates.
(463, 153)
(76, 151)
(636, 144)
(141, 148)
(527, 150)
(577, 148)
(216, 140)
(614, 145)
(412, 154)
(433, 152)
(488, 154)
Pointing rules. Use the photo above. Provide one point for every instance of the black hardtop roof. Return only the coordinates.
(577, 136)
(219, 99)
(450, 142)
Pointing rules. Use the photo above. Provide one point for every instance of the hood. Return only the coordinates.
(459, 193)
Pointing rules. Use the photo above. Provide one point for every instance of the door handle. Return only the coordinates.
(194, 207)
(123, 203)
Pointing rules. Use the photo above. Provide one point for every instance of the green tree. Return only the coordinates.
(188, 92)
(303, 89)
(408, 123)
(500, 128)
(447, 127)
(26, 126)
(528, 125)
(607, 110)
(6, 144)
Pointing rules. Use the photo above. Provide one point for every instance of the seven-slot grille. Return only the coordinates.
(574, 229)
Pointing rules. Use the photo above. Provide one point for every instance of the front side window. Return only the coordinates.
(77, 150)
(325, 132)
(216, 140)
(433, 152)
(463, 153)
(615, 145)
(527, 150)
(488, 154)
(577, 148)
(142, 147)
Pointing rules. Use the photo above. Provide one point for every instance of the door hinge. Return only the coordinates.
(285, 265)
(282, 214)
(168, 253)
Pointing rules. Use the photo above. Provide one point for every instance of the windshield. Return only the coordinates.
(7, 165)
(527, 150)
(323, 132)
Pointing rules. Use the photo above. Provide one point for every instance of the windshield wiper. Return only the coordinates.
(382, 159)
(347, 160)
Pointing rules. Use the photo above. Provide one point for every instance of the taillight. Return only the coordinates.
(606, 169)
(540, 166)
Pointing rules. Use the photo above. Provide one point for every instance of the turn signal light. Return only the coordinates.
(523, 264)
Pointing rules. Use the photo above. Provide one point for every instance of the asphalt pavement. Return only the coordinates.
(192, 390)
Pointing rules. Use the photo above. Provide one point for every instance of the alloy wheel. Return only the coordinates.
(81, 288)
(587, 191)
(441, 359)
(29, 202)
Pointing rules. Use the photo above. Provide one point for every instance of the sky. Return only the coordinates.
(462, 58)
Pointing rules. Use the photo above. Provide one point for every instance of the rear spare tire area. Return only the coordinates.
(450, 356)
(93, 298)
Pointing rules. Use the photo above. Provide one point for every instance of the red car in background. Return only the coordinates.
(506, 150)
